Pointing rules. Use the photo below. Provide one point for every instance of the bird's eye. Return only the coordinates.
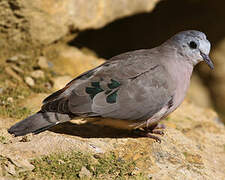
(193, 45)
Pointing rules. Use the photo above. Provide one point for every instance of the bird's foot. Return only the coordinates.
(151, 130)
(156, 129)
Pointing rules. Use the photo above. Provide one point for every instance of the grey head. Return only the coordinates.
(193, 45)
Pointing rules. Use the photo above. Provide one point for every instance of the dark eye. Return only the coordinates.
(193, 45)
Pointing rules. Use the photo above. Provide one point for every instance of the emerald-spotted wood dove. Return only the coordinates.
(140, 87)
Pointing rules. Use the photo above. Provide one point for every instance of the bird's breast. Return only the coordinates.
(181, 75)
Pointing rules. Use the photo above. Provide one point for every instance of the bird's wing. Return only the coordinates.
(133, 85)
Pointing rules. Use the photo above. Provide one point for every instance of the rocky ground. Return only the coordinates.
(193, 146)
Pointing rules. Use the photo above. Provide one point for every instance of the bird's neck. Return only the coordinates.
(180, 71)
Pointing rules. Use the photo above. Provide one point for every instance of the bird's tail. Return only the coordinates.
(38, 122)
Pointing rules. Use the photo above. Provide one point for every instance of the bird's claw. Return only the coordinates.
(156, 138)
(158, 131)
(151, 130)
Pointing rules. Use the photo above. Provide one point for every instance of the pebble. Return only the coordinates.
(10, 168)
(42, 62)
(22, 56)
(11, 73)
(17, 69)
(29, 81)
(37, 74)
(10, 99)
(21, 97)
(85, 173)
(21, 163)
(12, 59)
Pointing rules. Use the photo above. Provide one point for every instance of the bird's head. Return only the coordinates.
(193, 45)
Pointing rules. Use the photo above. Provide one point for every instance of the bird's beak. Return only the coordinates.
(207, 60)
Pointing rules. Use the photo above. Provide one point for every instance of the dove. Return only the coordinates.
(139, 87)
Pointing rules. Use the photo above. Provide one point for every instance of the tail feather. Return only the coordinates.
(38, 122)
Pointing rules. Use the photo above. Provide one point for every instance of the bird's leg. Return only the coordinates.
(155, 129)
(151, 130)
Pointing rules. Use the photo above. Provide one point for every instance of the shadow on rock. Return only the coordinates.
(89, 130)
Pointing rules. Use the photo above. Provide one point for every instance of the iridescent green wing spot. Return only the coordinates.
(112, 92)
(95, 89)
(112, 97)
(114, 84)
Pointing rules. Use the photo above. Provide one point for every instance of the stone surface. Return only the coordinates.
(10, 99)
(192, 147)
(37, 74)
(198, 92)
(61, 81)
(84, 172)
(29, 81)
(25, 24)
(71, 61)
(12, 59)
(217, 78)
(36, 102)
(17, 69)
(13, 74)
(42, 62)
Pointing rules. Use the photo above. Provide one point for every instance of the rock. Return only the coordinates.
(17, 69)
(37, 74)
(4, 124)
(29, 81)
(10, 99)
(12, 59)
(36, 102)
(84, 173)
(42, 62)
(21, 97)
(45, 24)
(11, 73)
(192, 147)
(217, 78)
(23, 164)
(10, 168)
(61, 81)
(72, 61)
(198, 92)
